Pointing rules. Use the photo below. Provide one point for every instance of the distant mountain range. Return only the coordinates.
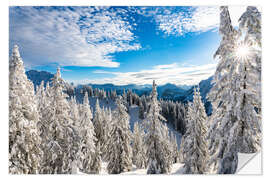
(37, 76)
(182, 93)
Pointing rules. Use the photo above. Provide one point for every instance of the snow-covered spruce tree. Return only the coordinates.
(118, 148)
(225, 124)
(63, 143)
(235, 96)
(46, 113)
(174, 147)
(186, 140)
(138, 148)
(24, 141)
(107, 123)
(87, 151)
(96, 160)
(195, 145)
(101, 123)
(141, 110)
(158, 161)
(248, 107)
(98, 124)
(167, 153)
(76, 120)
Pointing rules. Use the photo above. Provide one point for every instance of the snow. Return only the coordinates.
(177, 168)
(104, 168)
(247, 164)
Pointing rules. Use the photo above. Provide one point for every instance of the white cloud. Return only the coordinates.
(196, 19)
(70, 36)
(172, 73)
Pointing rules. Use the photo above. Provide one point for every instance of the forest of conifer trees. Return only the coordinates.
(54, 129)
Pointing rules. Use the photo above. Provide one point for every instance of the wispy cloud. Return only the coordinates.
(173, 73)
(195, 19)
(74, 36)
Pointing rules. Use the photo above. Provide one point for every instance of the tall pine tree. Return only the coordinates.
(248, 107)
(118, 147)
(157, 150)
(138, 148)
(62, 145)
(24, 141)
(87, 134)
(224, 129)
(195, 143)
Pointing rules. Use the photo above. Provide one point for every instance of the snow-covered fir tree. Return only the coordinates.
(107, 124)
(118, 148)
(195, 146)
(102, 124)
(225, 122)
(248, 109)
(141, 110)
(174, 147)
(167, 153)
(87, 145)
(157, 151)
(186, 139)
(236, 94)
(63, 144)
(24, 141)
(98, 124)
(138, 148)
(46, 113)
(96, 160)
(75, 125)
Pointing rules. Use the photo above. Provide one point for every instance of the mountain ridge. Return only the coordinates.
(167, 91)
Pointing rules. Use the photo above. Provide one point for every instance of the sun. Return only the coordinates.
(242, 52)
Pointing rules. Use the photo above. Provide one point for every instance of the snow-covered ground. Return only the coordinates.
(247, 164)
(176, 169)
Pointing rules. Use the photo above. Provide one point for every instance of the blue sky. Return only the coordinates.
(120, 45)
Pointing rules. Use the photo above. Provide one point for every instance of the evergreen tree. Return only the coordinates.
(224, 129)
(248, 107)
(186, 140)
(196, 148)
(139, 157)
(62, 139)
(174, 147)
(107, 123)
(75, 126)
(24, 141)
(235, 96)
(118, 146)
(87, 134)
(141, 110)
(96, 160)
(98, 124)
(156, 149)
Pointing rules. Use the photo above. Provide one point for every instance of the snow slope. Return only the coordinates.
(247, 164)
(176, 169)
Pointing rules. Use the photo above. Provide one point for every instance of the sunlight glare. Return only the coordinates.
(242, 52)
